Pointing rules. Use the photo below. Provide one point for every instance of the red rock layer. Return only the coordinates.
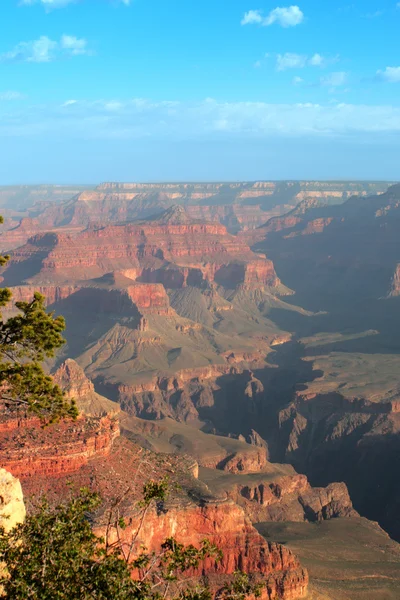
(28, 451)
(243, 548)
(149, 298)
(173, 255)
(78, 454)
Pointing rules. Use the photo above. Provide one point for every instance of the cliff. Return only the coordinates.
(159, 251)
(240, 206)
(27, 450)
(243, 548)
(78, 454)
(74, 383)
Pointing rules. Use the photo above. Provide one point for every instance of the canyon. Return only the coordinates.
(238, 206)
(221, 333)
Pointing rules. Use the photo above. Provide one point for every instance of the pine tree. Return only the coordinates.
(26, 340)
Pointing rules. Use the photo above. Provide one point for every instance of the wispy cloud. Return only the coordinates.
(291, 60)
(289, 16)
(334, 80)
(44, 50)
(207, 119)
(317, 60)
(53, 4)
(74, 45)
(68, 103)
(11, 95)
(375, 14)
(49, 4)
(390, 74)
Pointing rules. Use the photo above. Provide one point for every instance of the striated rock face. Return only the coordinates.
(28, 450)
(171, 254)
(130, 298)
(73, 381)
(339, 253)
(244, 549)
(292, 498)
(76, 455)
(12, 507)
(238, 206)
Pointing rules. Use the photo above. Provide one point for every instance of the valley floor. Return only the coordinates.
(347, 559)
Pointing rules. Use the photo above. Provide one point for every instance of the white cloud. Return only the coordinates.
(297, 80)
(317, 60)
(68, 103)
(11, 95)
(288, 16)
(52, 4)
(253, 17)
(290, 60)
(390, 74)
(206, 119)
(375, 15)
(74, 45)
(334, 80)
(49, 4)
(40, 50)
(45, 50)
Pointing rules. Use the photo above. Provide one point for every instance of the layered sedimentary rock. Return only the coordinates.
(292, 498)
(239, 206)
(244, 549)
(347, 251)
(75, 385)
(27, 450)
(166, 251)
(76, 454)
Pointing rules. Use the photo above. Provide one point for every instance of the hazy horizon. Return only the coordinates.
(132, 90)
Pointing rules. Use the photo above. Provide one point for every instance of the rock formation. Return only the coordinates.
(238, 206)
(76, 454)
(162, 251)
(12, 507)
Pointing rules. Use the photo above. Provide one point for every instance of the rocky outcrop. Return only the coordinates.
(72, 380)
(53, 460)
(127, 298)
(292, 498)
(28, 451)
(171, 254)
(238, 206)
(12, 507)
(353, 256)
(243, 548)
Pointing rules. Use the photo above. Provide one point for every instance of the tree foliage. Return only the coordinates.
(55, 555)
(26, 340)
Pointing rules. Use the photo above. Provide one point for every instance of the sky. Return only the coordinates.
(175, 90)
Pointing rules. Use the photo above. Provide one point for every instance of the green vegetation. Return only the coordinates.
(26, 340)
(55, 555)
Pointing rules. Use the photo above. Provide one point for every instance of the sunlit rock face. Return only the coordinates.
(12, 507)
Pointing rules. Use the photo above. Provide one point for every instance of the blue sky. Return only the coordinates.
(94, 90)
